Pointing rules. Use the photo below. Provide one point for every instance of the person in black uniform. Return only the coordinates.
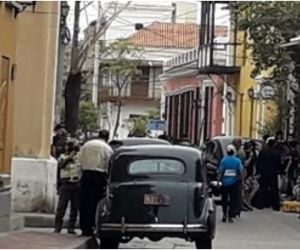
(268, 166)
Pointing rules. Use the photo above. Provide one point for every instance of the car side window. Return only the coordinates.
(213, 153)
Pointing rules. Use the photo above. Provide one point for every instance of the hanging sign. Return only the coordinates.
(267, 92)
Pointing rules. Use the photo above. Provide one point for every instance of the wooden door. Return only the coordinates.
(4, 78)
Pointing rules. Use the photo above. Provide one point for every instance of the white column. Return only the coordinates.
(150, 83)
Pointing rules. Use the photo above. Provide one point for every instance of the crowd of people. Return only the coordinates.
(81, 178)
(259, 177)
(251, 176)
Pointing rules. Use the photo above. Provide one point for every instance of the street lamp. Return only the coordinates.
(65, 8)
(252, 95)
(65, 34)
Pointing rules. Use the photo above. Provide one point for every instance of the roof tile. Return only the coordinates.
(171, 35)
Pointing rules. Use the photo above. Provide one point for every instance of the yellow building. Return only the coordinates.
(28, 62)
(251, 114)
(33, 171)
(8, 27)
(8, 37)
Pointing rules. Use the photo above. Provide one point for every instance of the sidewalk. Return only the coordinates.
(45, 240)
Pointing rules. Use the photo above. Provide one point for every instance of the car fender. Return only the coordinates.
(208, 216)
(102, 212)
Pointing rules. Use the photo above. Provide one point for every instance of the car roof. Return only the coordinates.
(180, 152)
(226, 140)
(140, 141)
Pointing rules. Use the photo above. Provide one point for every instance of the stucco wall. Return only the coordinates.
(33, 171)
(8, 25)
(33, 185)
(134, 107)
(35, 85)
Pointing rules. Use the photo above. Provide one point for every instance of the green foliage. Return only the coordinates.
(121, 67)
(268, 25)
(88, 116)
(140, 123)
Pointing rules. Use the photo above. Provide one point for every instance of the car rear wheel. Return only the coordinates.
(109, 243)
(203, 243)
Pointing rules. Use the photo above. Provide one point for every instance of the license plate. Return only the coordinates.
(157, 199)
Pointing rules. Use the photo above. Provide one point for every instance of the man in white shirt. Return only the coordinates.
(95, 155)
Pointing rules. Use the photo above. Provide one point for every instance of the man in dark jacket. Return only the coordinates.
(268, 166)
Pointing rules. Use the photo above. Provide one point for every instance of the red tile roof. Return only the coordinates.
(171, 35)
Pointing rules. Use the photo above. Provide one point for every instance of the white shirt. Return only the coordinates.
(95, 155)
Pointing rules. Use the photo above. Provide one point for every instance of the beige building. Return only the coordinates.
(33, 171)
(8, 26)
(28, 49)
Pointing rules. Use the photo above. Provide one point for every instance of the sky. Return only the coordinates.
(90, 13)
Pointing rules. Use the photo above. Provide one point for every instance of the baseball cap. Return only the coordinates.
(230, 148)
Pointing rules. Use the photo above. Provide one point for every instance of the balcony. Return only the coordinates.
(213, 50)
(137, 91)
(211, 60)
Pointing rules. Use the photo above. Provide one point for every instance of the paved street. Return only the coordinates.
(256, 230)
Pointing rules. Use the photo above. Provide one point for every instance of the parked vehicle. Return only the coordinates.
(215, 150)
(137, 141)
(156, 191)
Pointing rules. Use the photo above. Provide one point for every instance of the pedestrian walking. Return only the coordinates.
(230, 172)
(68, 190)
(268, 166)
(251, 184)
(240, 153)
(95, 155)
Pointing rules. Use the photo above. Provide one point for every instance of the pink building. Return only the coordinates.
(193, 106)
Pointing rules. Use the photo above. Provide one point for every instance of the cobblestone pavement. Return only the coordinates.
(257, 229)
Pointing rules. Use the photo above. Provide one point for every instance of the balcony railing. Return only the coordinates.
(138, 91)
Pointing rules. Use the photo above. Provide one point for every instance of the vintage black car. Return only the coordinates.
(156, 191)
(134, 141)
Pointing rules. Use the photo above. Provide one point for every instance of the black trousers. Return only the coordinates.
(230, 200)
(92, 190)
(270, 192)
(68, 192)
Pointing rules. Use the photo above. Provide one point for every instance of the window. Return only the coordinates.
(214, 153)
(156, 166)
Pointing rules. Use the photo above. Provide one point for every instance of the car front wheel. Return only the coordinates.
(203, 243)
(109, 243)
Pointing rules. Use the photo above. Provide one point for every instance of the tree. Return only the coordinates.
(140, 123)
(122, 69)
(267, 25)
(88, 116)
(79, 55)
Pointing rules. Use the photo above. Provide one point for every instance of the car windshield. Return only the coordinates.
(156, 166)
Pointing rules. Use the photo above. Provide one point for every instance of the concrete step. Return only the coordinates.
(17, 222)
(37, 239)
(42, 220)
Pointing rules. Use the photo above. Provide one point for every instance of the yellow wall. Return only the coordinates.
(262, 111)
(8, 49)
(35, 85)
